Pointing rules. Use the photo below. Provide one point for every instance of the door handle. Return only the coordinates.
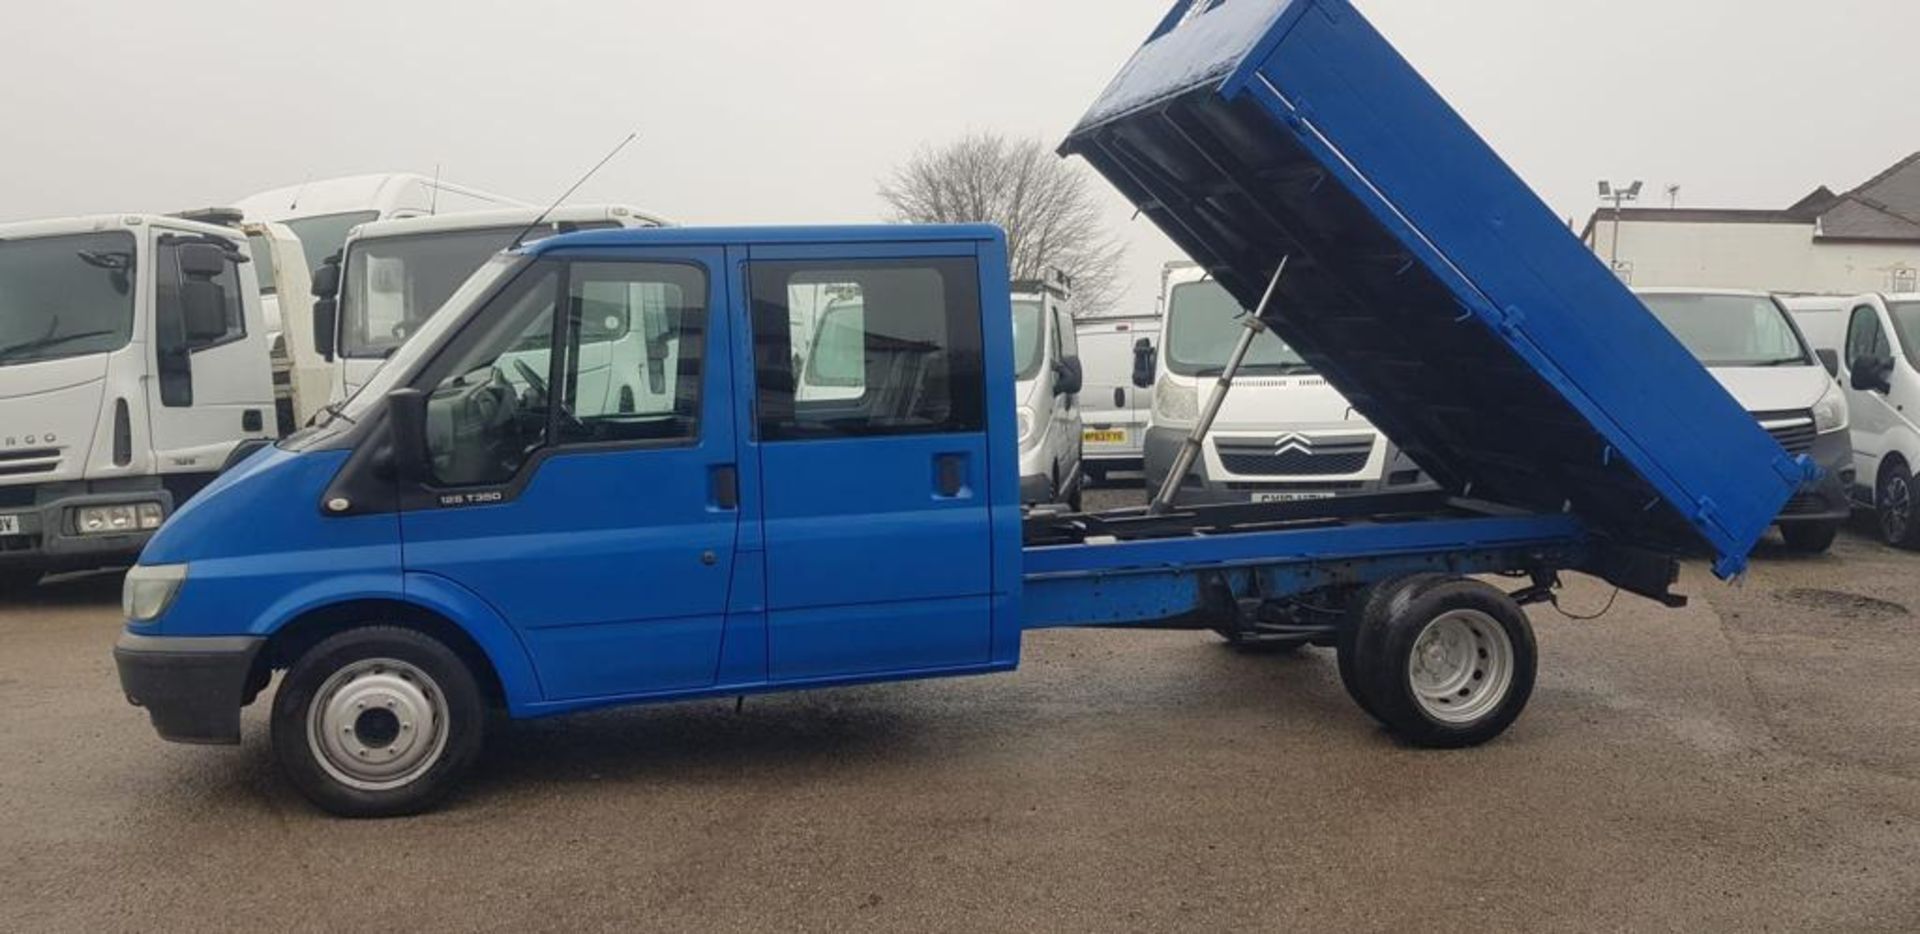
(1119, 397)
(949, 475)
(726, 487)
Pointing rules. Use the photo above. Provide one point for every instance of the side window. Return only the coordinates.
(1069, 339)
(173, 347)
(636, 348)
(487, 418)
(1866, 337)
(631, 351)
(867, 348)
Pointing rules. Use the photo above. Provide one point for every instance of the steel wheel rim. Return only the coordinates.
(1896, 508)
(378, 724)
(1461, 667)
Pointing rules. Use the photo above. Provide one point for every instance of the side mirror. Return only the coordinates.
(407, 419)
(1069, 378)
(203, 306)
(202, 260)
(1145, 361)
(326, 312)
(326, 279)
(1873, 374)
(1831, 360)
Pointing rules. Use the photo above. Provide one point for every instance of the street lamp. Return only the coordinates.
(1618, 195)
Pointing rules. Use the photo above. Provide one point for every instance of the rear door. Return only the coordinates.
(877, 531)
(604, 532)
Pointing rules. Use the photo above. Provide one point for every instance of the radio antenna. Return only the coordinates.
(433, 194)
(569, 192)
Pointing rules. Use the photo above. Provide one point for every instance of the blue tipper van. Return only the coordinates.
(485, 526)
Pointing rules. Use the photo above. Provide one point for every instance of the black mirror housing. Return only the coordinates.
(326, 279)
(202, 260)
(1873, 374)
(1069, 377)
(326, 312)
(1145, 361)
(203, 307)
(407, 420)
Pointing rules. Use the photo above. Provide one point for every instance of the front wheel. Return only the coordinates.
(1444, 664)
(1810, 538)
(378, 722)
(1894, 506)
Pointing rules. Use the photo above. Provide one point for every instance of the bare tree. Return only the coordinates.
(1049, 212)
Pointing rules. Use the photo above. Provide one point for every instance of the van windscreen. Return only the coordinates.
(1731, 330)
(1203, 325)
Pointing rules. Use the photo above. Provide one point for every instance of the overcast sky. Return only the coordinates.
(758, 111)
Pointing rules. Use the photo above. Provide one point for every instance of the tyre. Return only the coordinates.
(1893, 505)
(1812, 538)
(15, 582)
(1371, 604)
(1446, 664)
(378, 722)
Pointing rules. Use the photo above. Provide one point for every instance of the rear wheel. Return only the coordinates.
(1811, 538)
(1368, 605)
(1443, 663)
(1894, 506)
(378, 722)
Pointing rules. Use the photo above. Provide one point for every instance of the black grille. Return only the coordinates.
(1324, 460)
(1794, 430)
(31, 454)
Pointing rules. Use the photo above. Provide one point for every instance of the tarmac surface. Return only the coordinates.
(1749, 763)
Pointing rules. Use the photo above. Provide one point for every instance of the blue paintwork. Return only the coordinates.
(1254, 98)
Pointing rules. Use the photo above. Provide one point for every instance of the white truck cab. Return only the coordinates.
(1117, 353)
(1873, 345)
(1284, 434)
(1750, 343)
(133, 361)
(1046, 359)
(393, 275)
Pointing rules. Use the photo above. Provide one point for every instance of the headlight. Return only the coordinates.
(1176, 404)
(150, 590)
(1830, 414)
(1026, 426)
(118, 519)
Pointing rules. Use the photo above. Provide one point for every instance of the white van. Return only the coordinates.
(393, 275)
(1873, 342)
(1284, 434)
(321, 213)
(133, 362)
(1114, 408)
(1046, 357)
(1752, 345)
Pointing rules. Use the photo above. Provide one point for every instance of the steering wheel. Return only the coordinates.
(532, 376)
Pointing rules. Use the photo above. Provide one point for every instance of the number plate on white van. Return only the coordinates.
(1105, 436)
(1290, 497)
(9, 525)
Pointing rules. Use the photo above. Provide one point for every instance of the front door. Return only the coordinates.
(593, 509)
(1874, 416)
(870, 403)
(210, 390)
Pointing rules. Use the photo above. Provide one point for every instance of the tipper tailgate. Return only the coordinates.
(1425, 279)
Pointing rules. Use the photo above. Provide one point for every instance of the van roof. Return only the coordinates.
(1681, 290)
(97, 223)
(1424, 279)
(483, 220)
(733, 236)
(349, 193)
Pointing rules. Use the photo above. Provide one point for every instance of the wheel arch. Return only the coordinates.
(431, 606)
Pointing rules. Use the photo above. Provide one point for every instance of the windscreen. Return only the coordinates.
(1027, 341)
(321, 237)
(65, 297)
(1731, 330)
(1203, 325)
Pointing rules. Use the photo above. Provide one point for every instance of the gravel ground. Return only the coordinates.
(1748, 763)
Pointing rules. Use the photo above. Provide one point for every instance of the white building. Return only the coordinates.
(1867, 240)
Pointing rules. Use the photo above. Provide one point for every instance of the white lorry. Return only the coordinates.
(133, 361)
(1872, 343)
(321, 213)
(1283, 435)
(393, 275)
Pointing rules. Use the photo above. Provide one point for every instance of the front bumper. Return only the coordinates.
(1828, 499)
(192, 688)
(49, 541)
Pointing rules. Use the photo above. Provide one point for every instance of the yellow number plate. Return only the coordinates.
(1106, 437)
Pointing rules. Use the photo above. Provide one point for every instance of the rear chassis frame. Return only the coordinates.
(1289, 570)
